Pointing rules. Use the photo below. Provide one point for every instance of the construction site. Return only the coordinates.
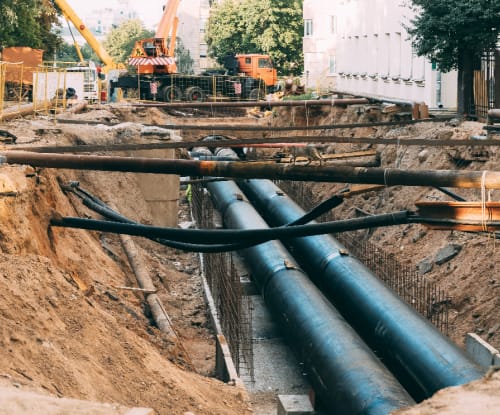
(234, 243)
(102, 322)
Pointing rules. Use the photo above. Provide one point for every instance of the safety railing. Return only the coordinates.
(192, 88)
(25, 89)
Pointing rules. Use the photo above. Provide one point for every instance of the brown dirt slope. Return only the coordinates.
(64, 326)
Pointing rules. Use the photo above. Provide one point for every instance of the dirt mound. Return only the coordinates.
(479, 397)
(68, 329)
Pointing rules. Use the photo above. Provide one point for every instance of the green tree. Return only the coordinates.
(183, 58)
(258, 26)
(29, 23)
(454, 34)
(121, 40)
(66, 52)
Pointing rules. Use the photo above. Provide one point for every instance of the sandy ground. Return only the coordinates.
(67, 329)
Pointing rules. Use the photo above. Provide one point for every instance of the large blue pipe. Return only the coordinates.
(421, 357)
(348, 377)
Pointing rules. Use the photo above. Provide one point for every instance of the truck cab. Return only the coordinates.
(89, 89)
(258, 66)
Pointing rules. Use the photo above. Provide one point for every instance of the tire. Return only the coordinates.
(256, 94)
(194, 94)
(171, 93)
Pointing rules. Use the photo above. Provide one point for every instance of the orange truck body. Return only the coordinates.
(258, 66)
(27, 60)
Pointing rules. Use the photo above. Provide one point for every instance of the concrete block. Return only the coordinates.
(483, 353)
(294, 405)
(160, 191)
(447, 253)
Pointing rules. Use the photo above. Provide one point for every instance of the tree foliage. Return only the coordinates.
(445, 30)
(66, 52)
(121, 40)
(183, 58)
(258, 26)
(29, 23)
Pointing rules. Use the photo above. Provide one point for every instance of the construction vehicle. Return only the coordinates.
(157, 76)
(95, 86)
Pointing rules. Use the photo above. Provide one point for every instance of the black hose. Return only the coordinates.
(233, 236)
(97, 205)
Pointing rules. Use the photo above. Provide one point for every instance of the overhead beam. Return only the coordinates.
(261, 170)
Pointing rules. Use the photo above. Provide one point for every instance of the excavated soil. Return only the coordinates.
(70, 329)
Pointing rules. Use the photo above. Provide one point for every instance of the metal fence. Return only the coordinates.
(485, 89)
(425, 297)
(44, 88)
(192, 88)
(234, 309)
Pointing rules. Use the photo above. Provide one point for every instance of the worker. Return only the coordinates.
(153, 86)
(189, 193)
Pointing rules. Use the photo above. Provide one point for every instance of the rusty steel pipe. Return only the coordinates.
(252, 127)
(247, 142)
(243, 104)
(261, 170)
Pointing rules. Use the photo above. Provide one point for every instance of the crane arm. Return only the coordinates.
(96, 46)
(167, 20)
(173, 38)
(77, 46)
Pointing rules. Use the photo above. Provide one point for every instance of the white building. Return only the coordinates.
(193, 19)
(102, 21)
(362, 47)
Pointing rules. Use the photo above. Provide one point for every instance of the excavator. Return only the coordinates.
(248, 77)
(94, 77)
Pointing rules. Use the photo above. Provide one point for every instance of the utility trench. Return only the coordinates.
(77, 323)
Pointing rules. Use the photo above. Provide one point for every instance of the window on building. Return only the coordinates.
(332, 65)
(203, 24)
(203, 50)
(333, 24)
(308, 27)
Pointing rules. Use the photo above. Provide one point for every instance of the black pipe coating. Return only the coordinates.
(422, 358)
(344, 371)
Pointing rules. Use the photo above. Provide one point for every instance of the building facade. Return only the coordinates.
(362, 47)
(193, 20)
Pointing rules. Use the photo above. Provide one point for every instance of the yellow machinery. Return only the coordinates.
(96, 46)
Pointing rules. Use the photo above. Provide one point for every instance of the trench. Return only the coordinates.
(365, 351)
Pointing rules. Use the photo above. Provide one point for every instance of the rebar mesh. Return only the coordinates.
(424, 296)
(234, 310)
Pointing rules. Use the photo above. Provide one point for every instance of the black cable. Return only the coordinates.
(97, 205)
(317, 211)
(451, 194)
(234, 235)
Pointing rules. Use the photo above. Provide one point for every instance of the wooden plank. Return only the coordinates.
(365, 153)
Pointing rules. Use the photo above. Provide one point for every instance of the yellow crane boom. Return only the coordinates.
(96, 46)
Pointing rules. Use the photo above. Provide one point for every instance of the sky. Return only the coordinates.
(149, 11)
